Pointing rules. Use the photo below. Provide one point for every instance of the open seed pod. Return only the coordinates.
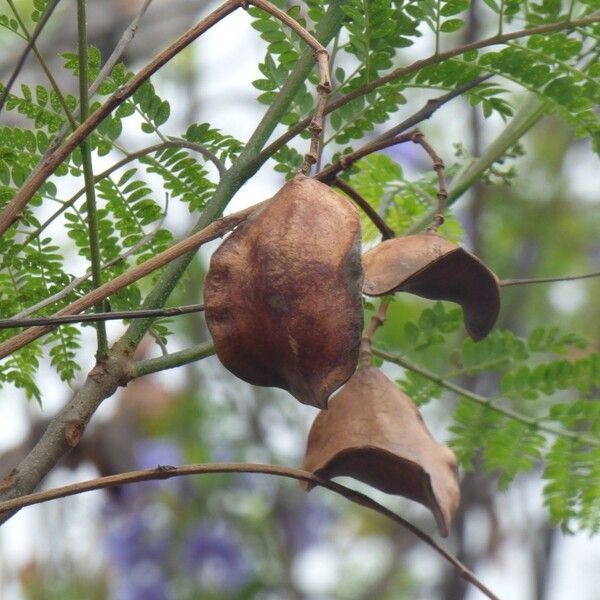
(283, 293)
(431, 266)
(374, 433)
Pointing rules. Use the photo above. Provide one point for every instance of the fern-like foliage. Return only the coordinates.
(540, 408)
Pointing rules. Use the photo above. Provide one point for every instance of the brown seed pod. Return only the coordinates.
(283, 293)
(431, 266)
(374, 433)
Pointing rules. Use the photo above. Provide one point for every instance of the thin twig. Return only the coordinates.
(377, 320)
(75, 283)
(88, 175)
(214, 230)
(105, 71)
(170, 361)
(104, 316)
(386, 231)
(439, 168)
(71, 122)
(329, 174)
(507, 282)
(323, 88)
(434, 59)
(170, 143)
(34, 36)
(434, 104)
(483, 401)
(168, 471)
(13, 210)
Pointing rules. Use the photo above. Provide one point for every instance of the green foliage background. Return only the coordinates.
(541, 366)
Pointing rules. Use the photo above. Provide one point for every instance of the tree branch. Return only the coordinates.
(34, 36)
(508, 282)
(113, 59)
(88, 175)
(386, 231)
(483, 401)
(14, 208)
(106, 316)
(432, 60)
(168, 472)
(170, 361)
(324, 87)
(214, 230)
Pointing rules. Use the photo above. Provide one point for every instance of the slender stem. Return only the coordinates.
(431, 60)
(168, 472)
(61, 99)
(170, 361)
(75, 283)
(324, 87)
(437, 27)
(113, 59)
(434, 104)
(377, 320)
(34, 36)
(244, 167)
(14, 208)
(483, 401)
(88, 175)
(105, 316)
(531, 111)
(386, 231)
(130, 157)
(329, 173)
(439, 168)
(214, 230)
(507, 282)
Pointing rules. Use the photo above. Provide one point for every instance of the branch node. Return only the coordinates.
(74, 430)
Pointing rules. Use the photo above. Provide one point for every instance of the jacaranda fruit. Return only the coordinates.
(283, 293)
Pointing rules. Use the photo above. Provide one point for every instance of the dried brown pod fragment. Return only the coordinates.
(283, 293)
(431, 266)
(374, 433)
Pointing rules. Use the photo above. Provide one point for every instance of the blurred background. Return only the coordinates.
(251, 536)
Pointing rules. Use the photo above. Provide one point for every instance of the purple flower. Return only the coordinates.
(150, 453)
(213, 554)
(136, 537)
(304, 524)
(408, 154)
(145, 581)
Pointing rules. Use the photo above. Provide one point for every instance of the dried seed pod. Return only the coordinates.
(374, 433)
(283, 293)
(431, 266)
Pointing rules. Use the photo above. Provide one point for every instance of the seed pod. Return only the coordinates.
(374, 433)
(283, 293)
(432, 267)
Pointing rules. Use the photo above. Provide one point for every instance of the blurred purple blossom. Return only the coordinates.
(304, 524)
(408, 155)
(213, 552)
(134, 537)
(145, 581)
(150, 453)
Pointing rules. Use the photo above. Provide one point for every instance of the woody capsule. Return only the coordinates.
(433, 267)
(283, 293)
(373, 432)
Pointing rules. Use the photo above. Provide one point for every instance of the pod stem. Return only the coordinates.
(377, 320)
(324, 86)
